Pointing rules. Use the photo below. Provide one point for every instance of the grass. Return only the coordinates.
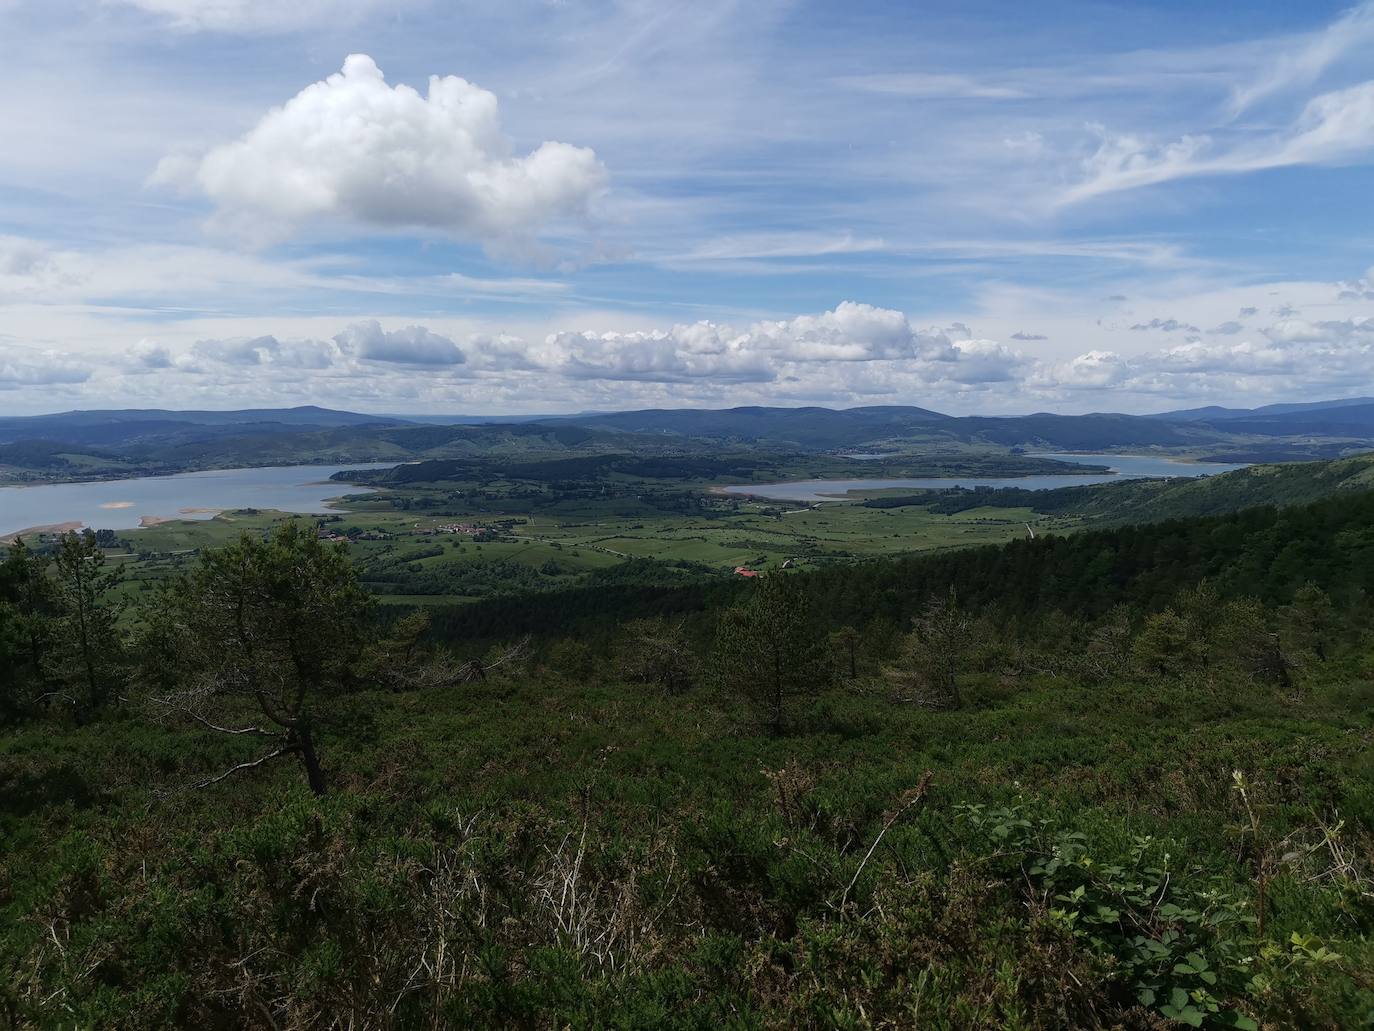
(583, 536)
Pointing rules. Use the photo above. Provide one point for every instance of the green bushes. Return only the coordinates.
(543, 851)
(1175, 946)
(603, 840)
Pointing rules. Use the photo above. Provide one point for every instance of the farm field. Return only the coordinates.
(411, 556)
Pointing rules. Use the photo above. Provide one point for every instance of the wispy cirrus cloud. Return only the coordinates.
(930, 86)
(1303, 62)
(1333, 128)
(250, 16)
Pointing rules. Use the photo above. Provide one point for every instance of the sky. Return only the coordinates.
(544, 206)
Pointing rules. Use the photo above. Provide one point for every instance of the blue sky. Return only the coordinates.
(552, 205)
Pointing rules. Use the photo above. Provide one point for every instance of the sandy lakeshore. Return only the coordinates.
(29, 531)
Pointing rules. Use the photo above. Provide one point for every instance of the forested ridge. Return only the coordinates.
(1137, 501)
(1266, 552)
(1118, 778)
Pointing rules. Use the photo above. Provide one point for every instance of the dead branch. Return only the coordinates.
(185, 710)
(916, 795)
(245, 766)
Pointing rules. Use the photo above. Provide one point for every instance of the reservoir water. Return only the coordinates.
(1123, 467)
(125, 504)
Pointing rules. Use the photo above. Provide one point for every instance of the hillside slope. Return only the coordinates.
(1145, 501)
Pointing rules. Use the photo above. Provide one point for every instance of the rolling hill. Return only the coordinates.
(93, 444)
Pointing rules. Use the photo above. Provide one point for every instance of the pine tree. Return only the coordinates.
(31, 595)
(1165, 645)
(846, 642)
(656, 651)
(278, 625)
(767, 650)
(936, 651)
(85, 655)
(1309, 622)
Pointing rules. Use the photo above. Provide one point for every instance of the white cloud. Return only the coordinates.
(1300, 331)
(22, 368)
(1094, 370)
(683, 353)
(413, 345)
(149, 355)
(851, 354)
(778, 245)
(1303, 64)
(1288, 358)
(266, 350)
(851, 333)
(1334, 128)
(930, 86)
(251, 15)
(1165, 326)
(354, 148)
(985, 361)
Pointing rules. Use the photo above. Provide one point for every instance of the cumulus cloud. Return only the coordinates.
(148, 355)
(1226, 329)
(1356, 290)
(19, 368)
(23, 257)
(1094, 370)
(413, 345)
(851, 353)
(1023, 335)
(1248, 312)
(31, 269)
(984, 361)
(1330, 355)
(849, 334)
(1300, 331)
(354, 148)
(266, 350)
(701, 351)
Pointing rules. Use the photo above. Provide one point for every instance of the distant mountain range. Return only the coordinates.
(143, 441)
(1214, 413)
(1337, 423)
(119, 426)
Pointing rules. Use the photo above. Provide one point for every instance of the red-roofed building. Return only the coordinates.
(745, 571)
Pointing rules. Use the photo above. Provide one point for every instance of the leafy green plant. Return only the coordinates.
(1179, 947)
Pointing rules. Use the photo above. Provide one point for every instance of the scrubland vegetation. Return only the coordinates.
(1121, 778)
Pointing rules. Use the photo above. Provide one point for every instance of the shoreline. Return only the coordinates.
(313, 463)
(29, 531)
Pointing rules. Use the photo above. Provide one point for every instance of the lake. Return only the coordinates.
(125, 504)
(1123, 467)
